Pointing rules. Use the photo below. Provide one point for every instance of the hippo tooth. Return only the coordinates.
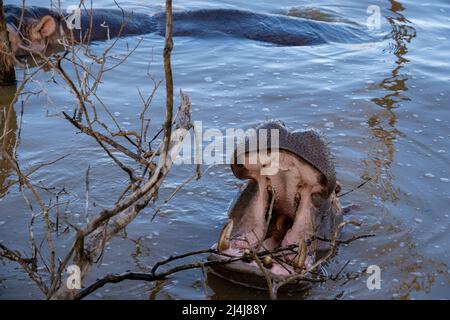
(224, 238)
(299, 260)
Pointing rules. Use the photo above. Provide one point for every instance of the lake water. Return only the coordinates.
(384, 106)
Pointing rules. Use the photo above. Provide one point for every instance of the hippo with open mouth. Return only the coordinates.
(297, 206)
(42, 29)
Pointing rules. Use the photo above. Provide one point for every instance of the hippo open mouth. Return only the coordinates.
(287, 208)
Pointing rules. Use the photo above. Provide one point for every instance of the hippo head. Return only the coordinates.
(289, 207)
(33, 33)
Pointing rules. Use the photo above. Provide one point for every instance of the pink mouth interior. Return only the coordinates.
(295, 178)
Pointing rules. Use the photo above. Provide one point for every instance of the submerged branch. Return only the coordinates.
(104, 138)
(153, 275)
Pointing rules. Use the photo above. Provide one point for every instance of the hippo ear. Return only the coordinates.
(46, 26)
(338, 187)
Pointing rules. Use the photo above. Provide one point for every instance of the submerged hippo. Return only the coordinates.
(293, 206)
(43, 29)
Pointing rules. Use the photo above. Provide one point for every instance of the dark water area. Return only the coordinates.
(383, 105)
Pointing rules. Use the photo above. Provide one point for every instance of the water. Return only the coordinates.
(382, 105)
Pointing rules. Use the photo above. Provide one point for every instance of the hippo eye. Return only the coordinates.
(316, 199)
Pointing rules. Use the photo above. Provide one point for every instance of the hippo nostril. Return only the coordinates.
(338, 188)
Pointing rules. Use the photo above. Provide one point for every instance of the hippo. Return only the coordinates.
(296, 205)
(44, 29)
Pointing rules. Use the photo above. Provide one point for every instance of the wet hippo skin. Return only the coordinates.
(302, 193)
(108, 23)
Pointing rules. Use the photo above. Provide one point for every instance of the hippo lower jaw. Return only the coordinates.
(278, 215)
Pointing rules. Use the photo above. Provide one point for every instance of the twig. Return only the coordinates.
(177, 189)
(331, 251)
(104, 138)
(177, 257)
(88, 239)
(350, 191)
(86, 209)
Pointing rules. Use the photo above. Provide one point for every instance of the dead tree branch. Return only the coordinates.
(153, 275)
(87, 245)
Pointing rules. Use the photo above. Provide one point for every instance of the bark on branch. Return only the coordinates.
(7, 72)
(90, 240)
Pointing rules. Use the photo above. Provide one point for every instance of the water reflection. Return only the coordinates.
(8, 128)
(220, 289)
(419, 273)
(382, 122)
(402, 33)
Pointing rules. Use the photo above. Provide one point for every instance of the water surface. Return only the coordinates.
(383, 106)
